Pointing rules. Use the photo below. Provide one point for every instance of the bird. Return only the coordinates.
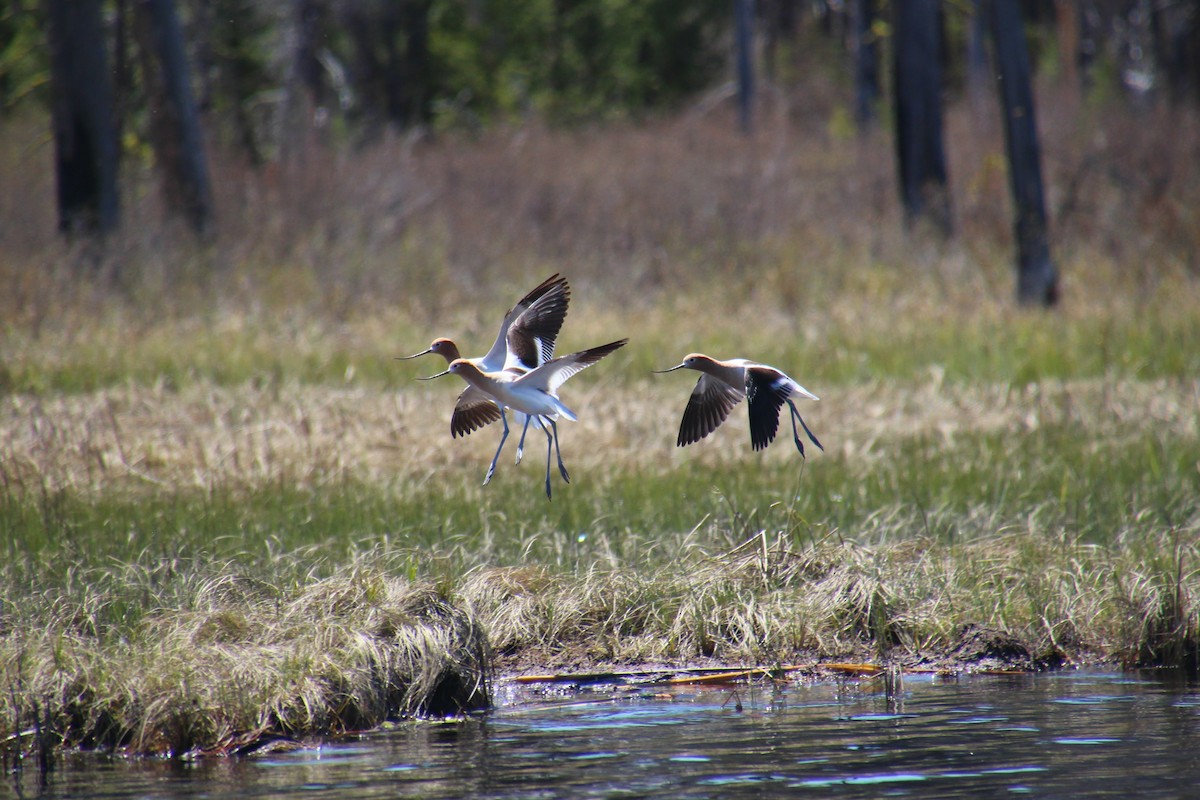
(534, 393)
(722, 386)
(526, 339)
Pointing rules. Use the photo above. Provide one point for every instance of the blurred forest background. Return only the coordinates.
(361, 138)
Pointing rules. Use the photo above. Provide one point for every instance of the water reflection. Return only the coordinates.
(1056, 735)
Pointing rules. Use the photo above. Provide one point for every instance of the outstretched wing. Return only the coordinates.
(473, 410)
(534, 331)
(549, 300)
(551, 375)
(766, 390)
(708, 406)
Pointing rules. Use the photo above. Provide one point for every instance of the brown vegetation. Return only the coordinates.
(638, 210)
(151, 369)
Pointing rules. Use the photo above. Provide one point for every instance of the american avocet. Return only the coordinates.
(526, 339)
(722, 386)
(535, 393)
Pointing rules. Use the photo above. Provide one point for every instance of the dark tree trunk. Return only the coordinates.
(305, 90)
(85, 137)
(921, 155)
(175, 121)
(1069, 36)
(778, 19)
(122, 70)
(418, 67)
(1192, 43)
(1037, 279)
(1174, 26)
(979, 72)
(866, 62)
(392, 63)
(229, 38)
(743, 17)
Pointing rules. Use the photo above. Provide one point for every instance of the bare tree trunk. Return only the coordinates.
(85, 137)
(303, 87)
(743, 17)
(1174, 28)
(175, 129)
(979, 72)
(1067, 27)
(1037, 278)
(866, 62)
(921, 155)
(392, 59)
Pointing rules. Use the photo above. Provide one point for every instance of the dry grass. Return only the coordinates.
(178, 658)
(204, 437)
(635, 212)
(1048, 600)
(997, 483)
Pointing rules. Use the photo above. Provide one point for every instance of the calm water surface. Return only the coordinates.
(1067, 735)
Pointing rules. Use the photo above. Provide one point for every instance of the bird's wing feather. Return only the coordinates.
(766, 391)
(497, 356)
(473, 410)
(553, 374)
(708, 406)
(534, 330)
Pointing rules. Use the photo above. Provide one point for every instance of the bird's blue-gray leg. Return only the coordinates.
(549, 446)
(495, 458)
(521, 444)
(796, 434)
(562, 469)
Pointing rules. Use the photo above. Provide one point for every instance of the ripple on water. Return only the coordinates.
(1048, 735)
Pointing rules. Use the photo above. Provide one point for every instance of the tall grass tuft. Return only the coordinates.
(1165, 617)
(178, 658)
(1024, 600)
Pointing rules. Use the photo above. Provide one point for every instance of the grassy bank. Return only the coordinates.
(230, 514)
(322, 541)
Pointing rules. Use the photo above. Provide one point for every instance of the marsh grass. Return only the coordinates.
(1048, 598)
(230, 515)
(172, 656)
(201, 570)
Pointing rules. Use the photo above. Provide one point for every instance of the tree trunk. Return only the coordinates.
(85, 138)
(1037, 279)
(418, 65)
(921, 156)
(866, 62)
(1068, 37)
(1174, 28)
(743, 17)
(979, 71)
(175, 121)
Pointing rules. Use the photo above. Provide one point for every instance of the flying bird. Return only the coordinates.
(722, 386)
(526, 340)
(534, 393)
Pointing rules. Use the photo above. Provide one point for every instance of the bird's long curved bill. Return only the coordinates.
(672, 369)
(414, 355)
(431, 377)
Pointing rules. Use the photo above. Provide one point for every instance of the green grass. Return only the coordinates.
(1096, 480)
(969, 342)
(228, 513)
(1057, 475)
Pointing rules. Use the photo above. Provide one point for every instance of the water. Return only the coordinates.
(1068, 735)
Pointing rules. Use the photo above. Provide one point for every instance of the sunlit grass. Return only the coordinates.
(876, 330)
(227, 508)
(181, 656)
